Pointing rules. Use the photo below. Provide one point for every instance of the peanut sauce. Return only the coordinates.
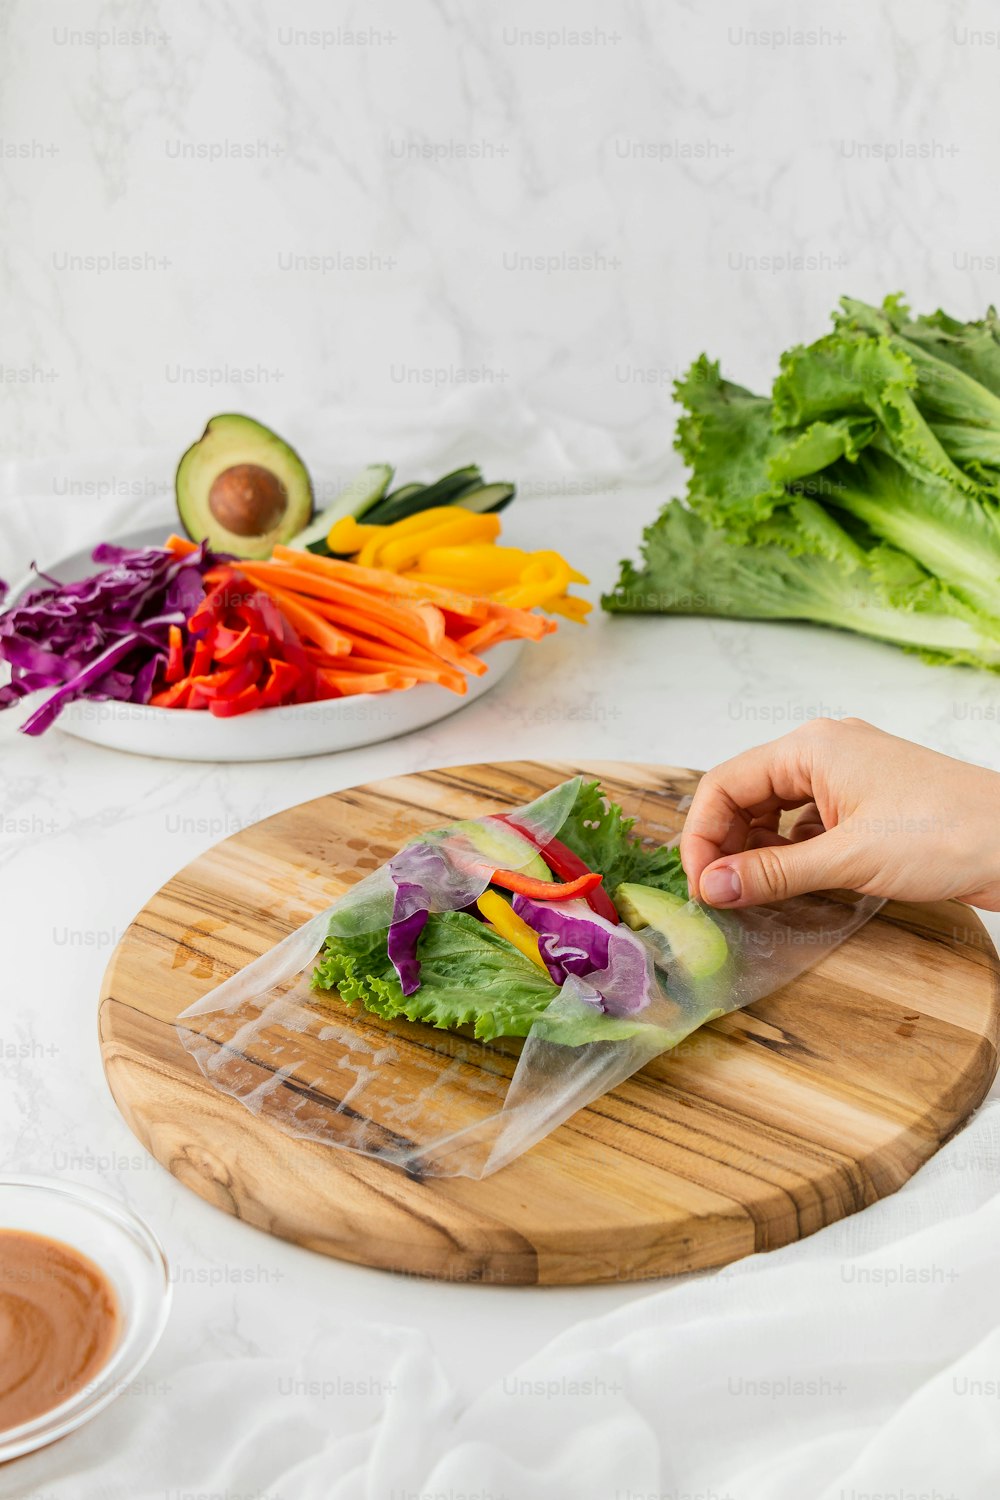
(59, 1324)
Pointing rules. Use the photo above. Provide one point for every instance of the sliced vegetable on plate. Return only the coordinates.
(231, 620)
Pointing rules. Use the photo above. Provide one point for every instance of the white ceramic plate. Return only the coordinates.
(269, 733)
(129, 1255)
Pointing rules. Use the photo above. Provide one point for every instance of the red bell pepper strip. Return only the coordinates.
(282, 681)
(175, 696)
(229, 681)
(201, 657)
(174, 670)
(242, 702)
(545, 890)
(234, 646)
(567, 865)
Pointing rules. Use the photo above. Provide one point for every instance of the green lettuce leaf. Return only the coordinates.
(948, 532)
(599, 833)
(469, 976)
(692, 568)
(957, 373)
(850, 373)
(740, 461)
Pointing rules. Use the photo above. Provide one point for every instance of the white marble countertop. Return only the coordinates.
(435, 234)
(89, 834)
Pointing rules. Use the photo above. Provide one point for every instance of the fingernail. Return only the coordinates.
(722, 886)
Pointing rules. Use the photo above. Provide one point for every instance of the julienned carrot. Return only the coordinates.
(359, 665)
(435, 669)
(310, 624)
(352, 621)
(383, 638)
(376, 656)
(404, 646)
(482, 635)
(521, 622)
(459, 601)
(180, 546)
(411, 617)
(464, 660)
(348, 683)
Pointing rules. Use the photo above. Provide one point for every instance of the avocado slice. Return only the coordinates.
(241, 488)
(695, 941)
(505, 847)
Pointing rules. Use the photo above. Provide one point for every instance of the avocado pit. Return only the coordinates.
(248, 500)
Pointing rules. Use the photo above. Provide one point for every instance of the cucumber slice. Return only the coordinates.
(402, 492)
(442, 492)
(487, 497)
(356, 499)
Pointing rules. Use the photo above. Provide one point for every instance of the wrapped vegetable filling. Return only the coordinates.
(493, 977)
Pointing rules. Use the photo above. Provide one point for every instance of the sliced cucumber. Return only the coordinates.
(357, 498)
(487, 497)
(443, 491)
(402, 492)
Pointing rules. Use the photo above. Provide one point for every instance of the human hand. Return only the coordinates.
(878, 815)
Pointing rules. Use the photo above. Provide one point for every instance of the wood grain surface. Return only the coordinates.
(761, 1128)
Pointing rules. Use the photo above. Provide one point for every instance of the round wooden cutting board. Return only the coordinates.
(762, 1127)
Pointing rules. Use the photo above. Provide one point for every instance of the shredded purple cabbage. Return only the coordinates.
(404, 934)
(573, 939)
(417, 871)
(102, 637)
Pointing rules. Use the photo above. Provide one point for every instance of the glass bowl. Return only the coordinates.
(130, 1256)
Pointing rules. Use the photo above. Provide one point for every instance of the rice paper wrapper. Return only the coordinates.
(440, 1102)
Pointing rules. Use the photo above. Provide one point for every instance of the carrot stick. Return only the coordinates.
(362, 662)
(410, 618)
(353, 625)
(521, 623)
(308, 623)
(382, 581)
(483, 635)
(463, 659)
(437, 670)
(180, 546)
(346, 684)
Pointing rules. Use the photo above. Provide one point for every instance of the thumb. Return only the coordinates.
(773, 872)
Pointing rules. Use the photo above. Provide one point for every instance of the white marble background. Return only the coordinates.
(323, 207)
(729, 178)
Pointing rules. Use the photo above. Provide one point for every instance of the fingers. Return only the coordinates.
(807, 825)
(740, 793)
(773, 872)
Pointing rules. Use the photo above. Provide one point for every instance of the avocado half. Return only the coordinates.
(242, 489)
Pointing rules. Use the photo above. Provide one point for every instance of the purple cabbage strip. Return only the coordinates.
(102, 637)
(404, 934)
(426, 880)
(572, 939)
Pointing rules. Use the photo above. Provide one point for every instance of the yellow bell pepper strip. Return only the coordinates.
(571, 608)
(502, 917)
(451, 582)
(484, 565)
(346, 536)
(403, 551)
(546, 577)
(424, 520)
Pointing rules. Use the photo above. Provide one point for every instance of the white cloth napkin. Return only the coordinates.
(864, 1361)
